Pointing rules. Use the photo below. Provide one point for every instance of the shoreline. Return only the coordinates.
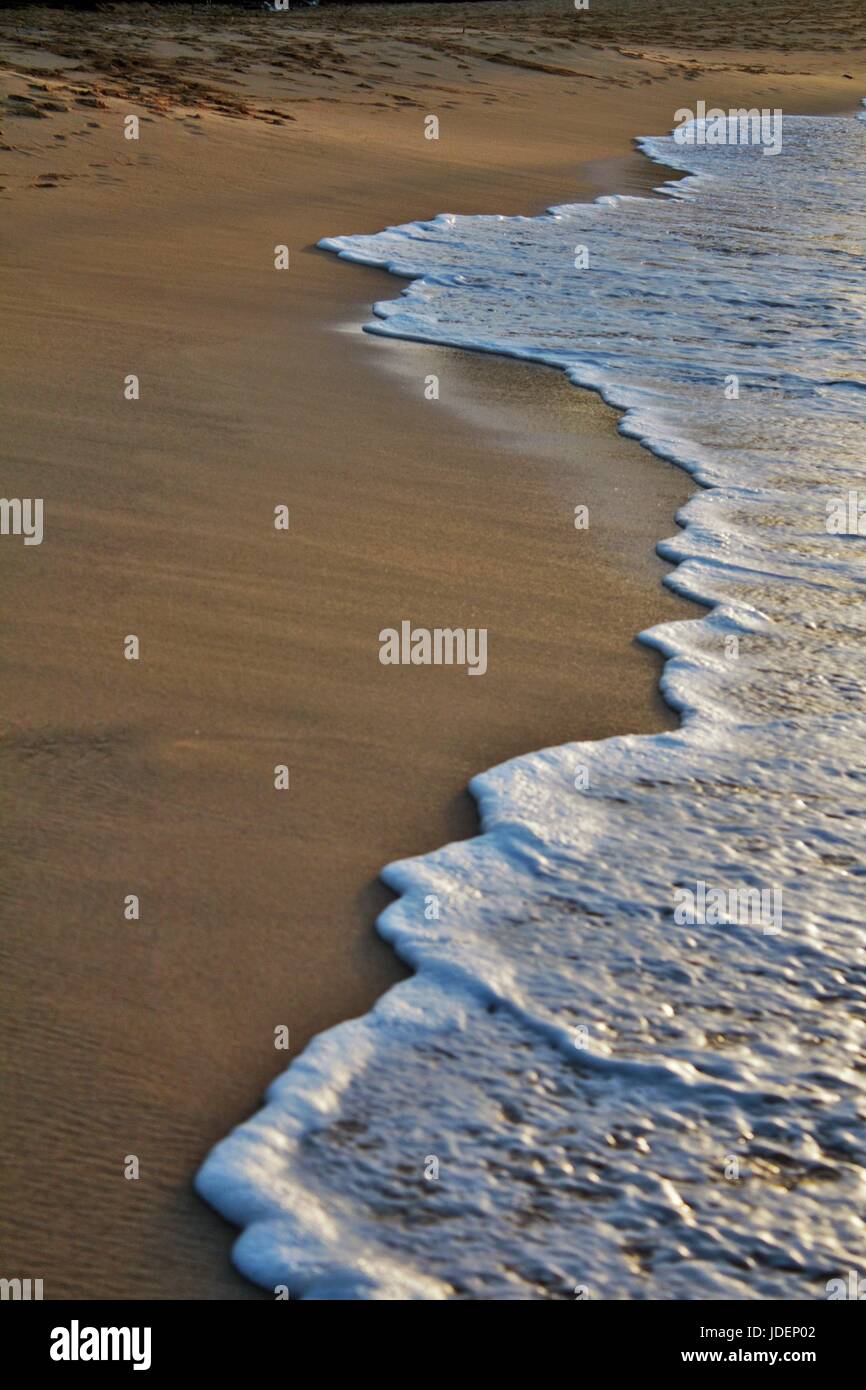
(161, 1042)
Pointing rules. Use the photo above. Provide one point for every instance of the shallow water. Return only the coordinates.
(623, 1103)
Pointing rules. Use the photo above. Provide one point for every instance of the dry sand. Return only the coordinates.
(155, 257)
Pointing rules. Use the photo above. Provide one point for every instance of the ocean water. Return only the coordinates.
(624, 1103)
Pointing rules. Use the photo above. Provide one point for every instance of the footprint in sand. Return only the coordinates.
(24, 106)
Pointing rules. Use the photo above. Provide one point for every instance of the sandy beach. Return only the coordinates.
(258, 648)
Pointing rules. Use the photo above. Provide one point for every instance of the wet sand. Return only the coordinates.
(258, 648)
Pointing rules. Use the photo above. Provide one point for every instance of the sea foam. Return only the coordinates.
(621, 1106)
